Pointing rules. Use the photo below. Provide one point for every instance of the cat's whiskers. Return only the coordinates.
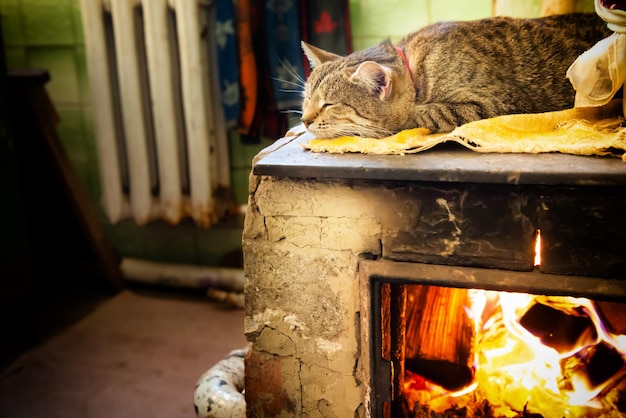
(294, 73)
(293, 83)
(297, 80)
(290, 91)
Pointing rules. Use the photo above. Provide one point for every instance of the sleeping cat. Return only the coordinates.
(447, 74)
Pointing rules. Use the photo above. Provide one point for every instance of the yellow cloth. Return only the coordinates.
(580, 131)
(598, 73)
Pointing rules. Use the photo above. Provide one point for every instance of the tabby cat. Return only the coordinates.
(447, 74)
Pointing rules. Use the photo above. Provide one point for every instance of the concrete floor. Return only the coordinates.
(135, 354)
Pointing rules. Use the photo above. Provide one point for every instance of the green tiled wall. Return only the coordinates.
(375, 20)
(48, 34)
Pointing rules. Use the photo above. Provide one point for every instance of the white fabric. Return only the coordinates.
(599, 73)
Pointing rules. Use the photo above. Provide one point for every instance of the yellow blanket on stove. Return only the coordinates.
(580, 131)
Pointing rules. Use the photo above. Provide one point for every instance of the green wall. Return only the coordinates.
(375, 20)
(48, 34)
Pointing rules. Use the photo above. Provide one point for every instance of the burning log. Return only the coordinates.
(439, 336)
(560, 329)
(594, 366)
(535, 356)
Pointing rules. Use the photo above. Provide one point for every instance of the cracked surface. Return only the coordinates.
(302, 253)
(302, 241)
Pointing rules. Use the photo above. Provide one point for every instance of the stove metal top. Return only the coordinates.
(445, 163)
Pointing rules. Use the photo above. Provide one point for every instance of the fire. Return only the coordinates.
(552, 355)
(538, 248)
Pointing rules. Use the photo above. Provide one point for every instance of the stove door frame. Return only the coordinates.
(377, 372)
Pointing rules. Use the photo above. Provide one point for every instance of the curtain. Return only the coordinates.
(260, 61)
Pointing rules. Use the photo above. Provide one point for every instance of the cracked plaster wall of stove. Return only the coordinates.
(304, 244)
(303, 240)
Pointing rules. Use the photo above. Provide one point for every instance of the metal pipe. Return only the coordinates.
(183, 275)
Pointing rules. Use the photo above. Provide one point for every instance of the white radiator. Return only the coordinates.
(161, 155)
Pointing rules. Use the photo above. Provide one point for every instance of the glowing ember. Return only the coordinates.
(548, 355)
(538, 248)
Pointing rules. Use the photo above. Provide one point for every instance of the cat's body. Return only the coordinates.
(455, 72)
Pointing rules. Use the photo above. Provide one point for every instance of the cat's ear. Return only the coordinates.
(317, 56)
(376, 76)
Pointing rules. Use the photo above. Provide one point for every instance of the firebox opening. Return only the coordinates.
(473, 352)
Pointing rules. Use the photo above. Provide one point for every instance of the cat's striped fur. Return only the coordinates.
(459, 72)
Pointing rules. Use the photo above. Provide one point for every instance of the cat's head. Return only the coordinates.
(362, 94)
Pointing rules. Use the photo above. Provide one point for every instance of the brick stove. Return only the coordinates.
(333, 243)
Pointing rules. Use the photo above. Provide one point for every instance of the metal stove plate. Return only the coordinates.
(444, 163)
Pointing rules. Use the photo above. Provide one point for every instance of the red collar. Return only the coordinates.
(406, 61)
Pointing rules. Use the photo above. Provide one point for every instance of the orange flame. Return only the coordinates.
(538, 248)
(515, 368)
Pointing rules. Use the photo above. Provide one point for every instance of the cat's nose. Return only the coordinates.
(306, 122)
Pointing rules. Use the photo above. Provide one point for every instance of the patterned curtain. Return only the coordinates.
(326, 24)
(227, 60)
(260, 62)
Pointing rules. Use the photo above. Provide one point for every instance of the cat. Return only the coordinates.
(447, 74)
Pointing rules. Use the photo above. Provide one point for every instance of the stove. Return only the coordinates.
(345, 254)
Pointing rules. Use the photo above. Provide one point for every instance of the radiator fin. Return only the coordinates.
(158, 134)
